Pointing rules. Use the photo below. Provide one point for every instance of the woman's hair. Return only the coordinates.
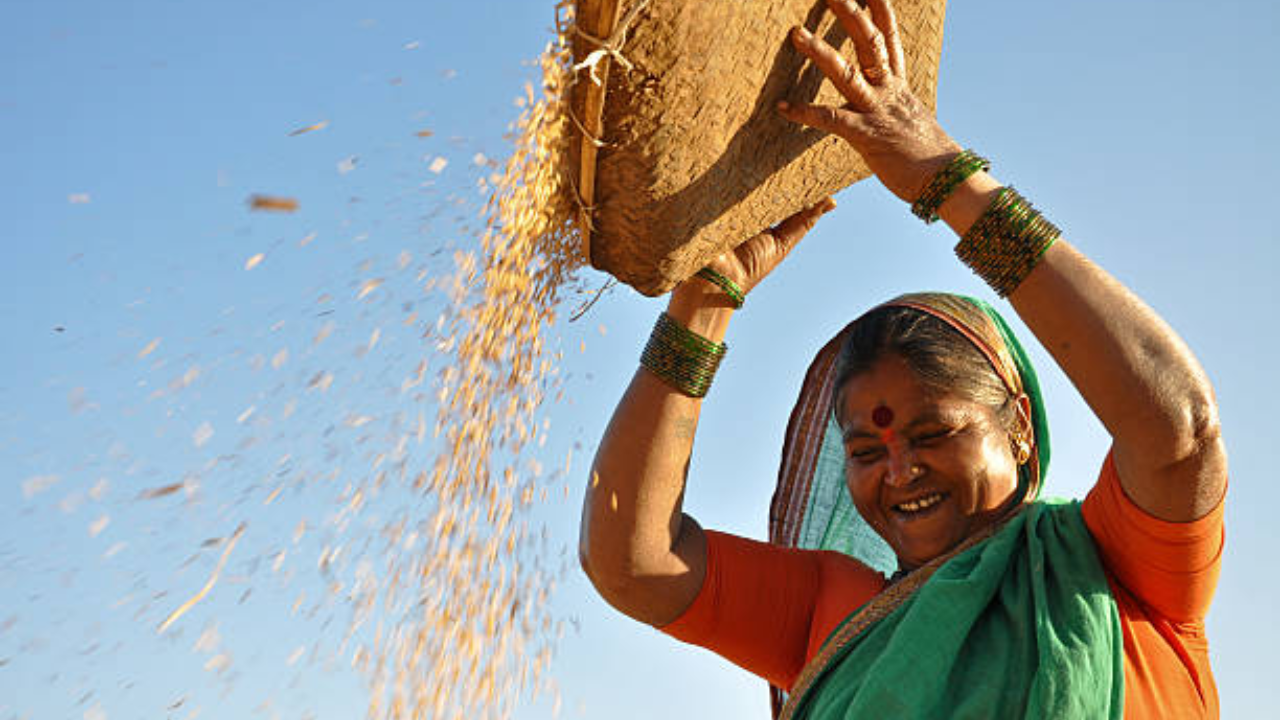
(943, 360)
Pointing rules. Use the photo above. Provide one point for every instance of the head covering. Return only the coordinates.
(811, 506)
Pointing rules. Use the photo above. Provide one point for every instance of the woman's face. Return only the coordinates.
(925, 470)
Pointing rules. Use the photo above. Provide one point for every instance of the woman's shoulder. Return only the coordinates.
(1170, 567)
(845, 570)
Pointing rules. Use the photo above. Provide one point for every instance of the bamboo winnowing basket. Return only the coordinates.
(683, 154)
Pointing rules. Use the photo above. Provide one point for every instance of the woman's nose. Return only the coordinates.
(902, 466)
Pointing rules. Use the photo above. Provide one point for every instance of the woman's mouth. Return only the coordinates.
(918, 506)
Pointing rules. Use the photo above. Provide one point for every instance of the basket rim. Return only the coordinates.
(591, 22)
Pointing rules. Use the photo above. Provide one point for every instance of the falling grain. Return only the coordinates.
(150, 348)
(97, 526)
(484, 636)
(37, 484)
(451, 621)
(296, 655)
(202, 434)
(310, 128)
(368, 286)
(160, 492)
(273, 203)
(213, 578)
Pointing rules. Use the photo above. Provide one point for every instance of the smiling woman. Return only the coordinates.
(996, 603)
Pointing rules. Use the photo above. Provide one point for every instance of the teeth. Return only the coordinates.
(921, 504)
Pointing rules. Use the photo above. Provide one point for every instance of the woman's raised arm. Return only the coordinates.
(1132, 369)
(642, 553)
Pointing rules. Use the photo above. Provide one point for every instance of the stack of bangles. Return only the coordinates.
(682, 358)
(945, 183)
(1006, 242)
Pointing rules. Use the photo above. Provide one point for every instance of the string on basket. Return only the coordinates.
(584, 209)
(583, 129)
(608, 47)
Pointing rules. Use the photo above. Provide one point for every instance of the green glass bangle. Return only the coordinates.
(1006, 243)
(730, 288)
(682, 358)
(945, 182)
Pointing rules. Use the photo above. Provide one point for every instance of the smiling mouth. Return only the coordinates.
(919, 505)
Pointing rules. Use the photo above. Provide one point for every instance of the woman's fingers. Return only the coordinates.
(894, 130)
(758, 257)
(843, 74)
(884, 19)
(793, 229)
(868, 42)
(837, 121)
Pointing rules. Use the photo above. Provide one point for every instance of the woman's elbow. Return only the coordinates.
(611, 575)
(601, 554)
(589, 558)
(1199, 428)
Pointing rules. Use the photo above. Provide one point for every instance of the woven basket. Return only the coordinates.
(682, 154)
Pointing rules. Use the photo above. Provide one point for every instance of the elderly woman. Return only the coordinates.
(994, 603)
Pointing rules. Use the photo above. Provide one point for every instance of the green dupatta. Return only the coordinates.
(1016, 623)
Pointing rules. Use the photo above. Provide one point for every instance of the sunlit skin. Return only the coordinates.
(931, 445)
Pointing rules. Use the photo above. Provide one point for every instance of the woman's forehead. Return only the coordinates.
(860, 423)
(888, 380)
(891, 395)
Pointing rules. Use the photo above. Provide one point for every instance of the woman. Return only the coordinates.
(996, 604)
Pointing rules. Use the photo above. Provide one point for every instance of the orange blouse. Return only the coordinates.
(768, 609)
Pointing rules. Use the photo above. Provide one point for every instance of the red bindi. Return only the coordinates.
(882, 416)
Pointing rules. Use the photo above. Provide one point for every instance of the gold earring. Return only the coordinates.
(1023, 452)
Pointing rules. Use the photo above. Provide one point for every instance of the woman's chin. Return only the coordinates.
(917, 546)
(919, 539)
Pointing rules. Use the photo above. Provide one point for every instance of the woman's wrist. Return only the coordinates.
(702, 308)
(969, 200)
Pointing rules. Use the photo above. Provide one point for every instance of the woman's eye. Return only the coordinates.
(864, 454)
(933, 436)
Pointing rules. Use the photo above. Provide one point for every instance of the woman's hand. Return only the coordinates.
(883, 119)
(753, 260)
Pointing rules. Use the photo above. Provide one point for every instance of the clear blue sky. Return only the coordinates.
(133, 132)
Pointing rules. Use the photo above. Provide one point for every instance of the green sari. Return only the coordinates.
(1016, 622)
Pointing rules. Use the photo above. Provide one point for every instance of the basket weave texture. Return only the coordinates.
(695, 159)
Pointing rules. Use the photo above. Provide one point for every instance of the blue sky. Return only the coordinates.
(133, 133)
